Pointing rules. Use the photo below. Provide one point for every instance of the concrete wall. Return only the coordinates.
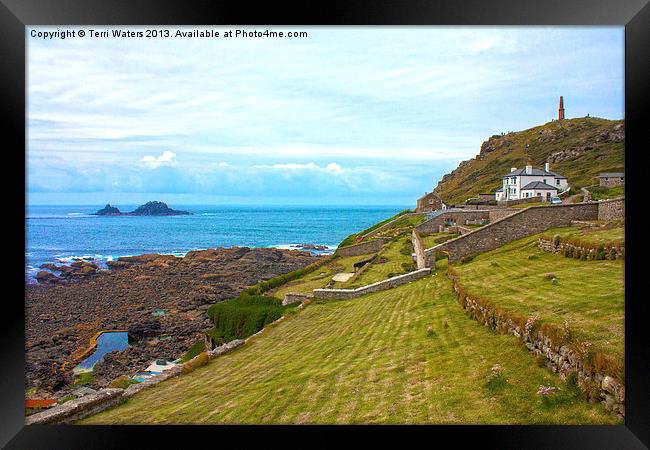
(432, 225)
(418, 248)
(342, 294)
(516, 226)
(364, 248)
(611, 209)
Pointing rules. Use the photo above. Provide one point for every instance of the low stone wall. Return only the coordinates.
(363, 248)
(571, 250)
(388, 224)
(523, 223)
(418, 248)
(432, 225)
(560, 359)
(498, 214)
(519, 201)
(294, 297)
(342, 294)
(464, 230)
(91, 404)
(611, 209)
(78, 408)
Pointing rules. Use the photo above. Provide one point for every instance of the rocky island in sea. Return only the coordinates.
(148, 209)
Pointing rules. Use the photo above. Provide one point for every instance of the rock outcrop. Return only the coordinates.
(148, 209)
(143, 292)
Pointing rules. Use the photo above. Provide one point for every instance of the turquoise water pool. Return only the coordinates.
(106, 342)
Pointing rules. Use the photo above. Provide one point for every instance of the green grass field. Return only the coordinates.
(587, 294)
(320, 278)
(394, 259)
(407, 355)
(433, 239)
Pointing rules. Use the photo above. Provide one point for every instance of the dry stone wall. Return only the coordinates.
(568, 249)
(294, 297)
(498, 214)
(516, 226)
(88, 405)
(364, 248)
(611, 209)
(560, 358)
(420, 260)
(342, 294)
(433, 225)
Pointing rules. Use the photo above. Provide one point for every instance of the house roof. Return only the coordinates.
(534, 172)
(539, 186)
(611, 174)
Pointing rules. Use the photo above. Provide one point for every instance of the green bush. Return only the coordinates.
(275, 282)
(466, 259)
(243, 316)
(194, 350)
(122, 382)
(84, 378)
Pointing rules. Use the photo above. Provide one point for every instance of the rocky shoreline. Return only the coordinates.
(161, 299)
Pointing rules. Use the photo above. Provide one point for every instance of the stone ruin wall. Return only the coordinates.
(364, 248)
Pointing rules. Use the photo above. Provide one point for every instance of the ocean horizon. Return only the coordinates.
(60, 233)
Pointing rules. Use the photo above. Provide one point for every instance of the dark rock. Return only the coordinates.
(108, 210)
(157, 209)
(147, 328)
(44, 276)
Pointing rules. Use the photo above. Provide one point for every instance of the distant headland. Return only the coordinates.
(148, 209)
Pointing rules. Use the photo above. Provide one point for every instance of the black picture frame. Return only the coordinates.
(15, 15)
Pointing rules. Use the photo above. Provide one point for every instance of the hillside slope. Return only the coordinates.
(408, 355)
(579, 149)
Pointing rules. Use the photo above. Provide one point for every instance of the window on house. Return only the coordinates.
(557, 182)
(544, 180)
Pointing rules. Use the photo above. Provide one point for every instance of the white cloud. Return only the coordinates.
(166, 158)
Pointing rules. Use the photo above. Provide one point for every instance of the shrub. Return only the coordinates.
(445, 323)
(495, 380)
(532, 257)
(194, 350)
(550, 276)
(84, 378)
(122, 382)
(199, 360)
(67, 398)
(243, 316)
(466, 259)
(408, 266)
(430, 332)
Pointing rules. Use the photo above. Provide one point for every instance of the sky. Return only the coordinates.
(346, 115)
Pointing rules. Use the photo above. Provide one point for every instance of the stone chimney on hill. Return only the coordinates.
(529, 170)
(560, 109)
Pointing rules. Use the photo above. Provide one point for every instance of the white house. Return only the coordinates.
(531, 182)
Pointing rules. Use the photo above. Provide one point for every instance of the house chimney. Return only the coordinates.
(546, 167)
(512, 169)
(529, 170)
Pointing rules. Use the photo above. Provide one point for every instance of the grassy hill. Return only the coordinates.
(407, 355)
(579, 149)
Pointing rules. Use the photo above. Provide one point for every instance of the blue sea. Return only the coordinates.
(58, 234)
